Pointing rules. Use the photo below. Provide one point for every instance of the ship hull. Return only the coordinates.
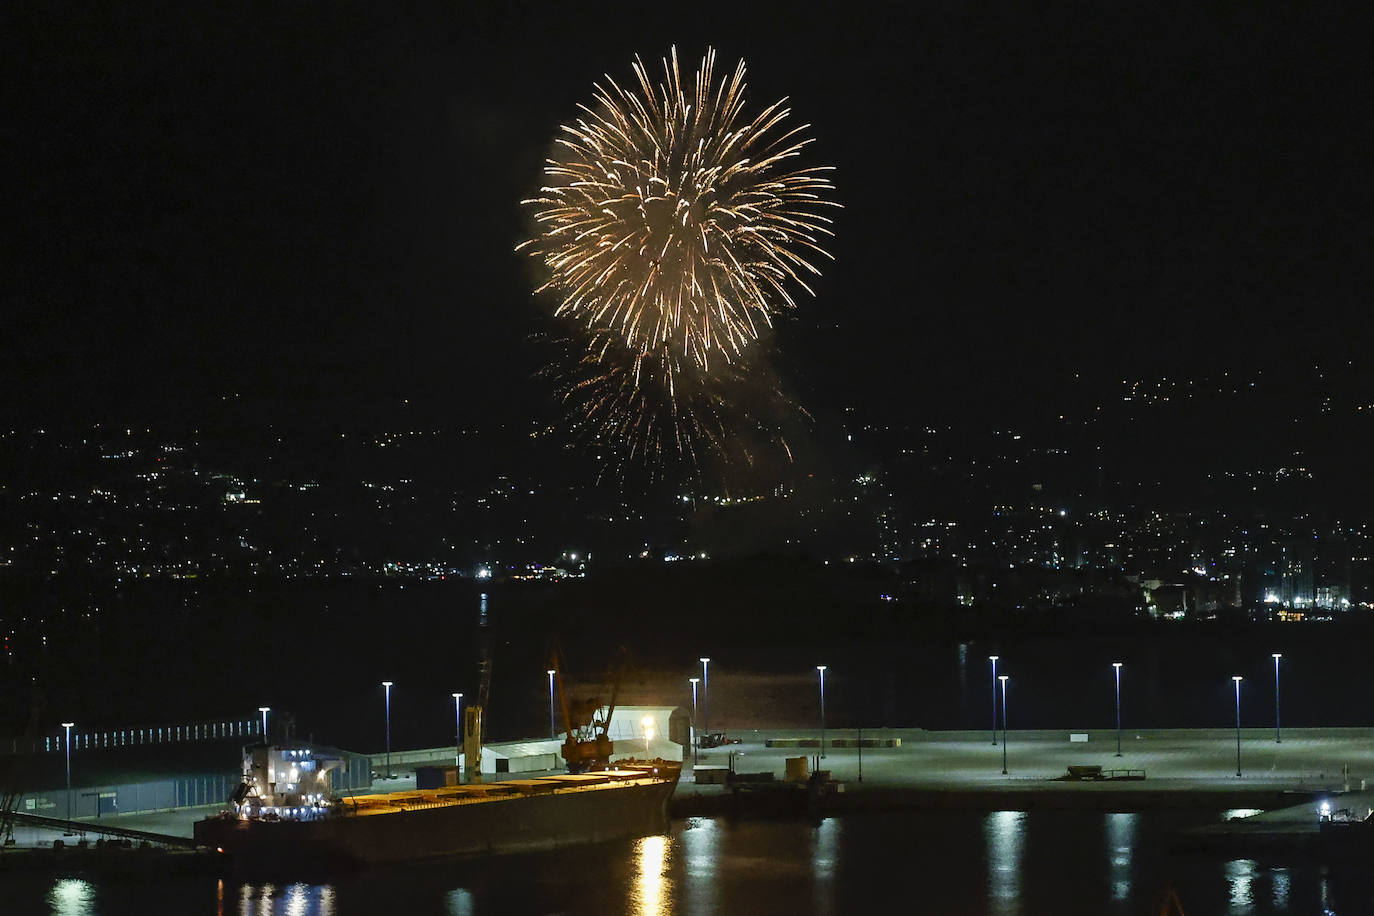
(499, 826)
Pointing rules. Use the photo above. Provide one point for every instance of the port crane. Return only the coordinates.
(588, 745)
(474, 725)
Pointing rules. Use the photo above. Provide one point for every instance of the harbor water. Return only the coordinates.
(948, 862)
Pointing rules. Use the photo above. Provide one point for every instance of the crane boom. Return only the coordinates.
(588, 745)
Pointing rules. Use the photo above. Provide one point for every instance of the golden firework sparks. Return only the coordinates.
(673, 223)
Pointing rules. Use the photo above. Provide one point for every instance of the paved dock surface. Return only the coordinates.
(1307, 760)
(1183, 767)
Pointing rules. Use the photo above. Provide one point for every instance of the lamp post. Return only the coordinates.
(1117, 667)
(1237, 679)
(821, 669)
(458, 730)
(387, 685)
(648, 724)
(68, 727)
(553, 728)
(705, 696)
(1277, 737)
(264, 710)
(695, 741)
(1003, 679)
(993, 659)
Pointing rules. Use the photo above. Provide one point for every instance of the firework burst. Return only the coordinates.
(672, 230)
(675, 224)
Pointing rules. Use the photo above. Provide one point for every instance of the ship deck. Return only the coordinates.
(483, 793)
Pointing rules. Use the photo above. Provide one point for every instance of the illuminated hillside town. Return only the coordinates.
(1015, 521)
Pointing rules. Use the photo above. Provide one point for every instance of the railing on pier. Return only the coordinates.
(209, 730)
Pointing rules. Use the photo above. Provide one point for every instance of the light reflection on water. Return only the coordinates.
(293, 900)
(1120, 844)
(296, 900)
(1240, 876)
(71, 897)
(460, 902)
(825, 853)
(1004, 832)
(1280, 889)
(650, 894)
(700, 844)
(1005, 862)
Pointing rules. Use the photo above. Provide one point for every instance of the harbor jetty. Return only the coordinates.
(884, 769)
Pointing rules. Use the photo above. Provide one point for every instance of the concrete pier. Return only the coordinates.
(1194, 768)
(1173, 760)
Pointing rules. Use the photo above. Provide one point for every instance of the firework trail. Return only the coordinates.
(673, 231)
(734, 414)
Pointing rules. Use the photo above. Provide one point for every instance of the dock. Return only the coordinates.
(1293, 829)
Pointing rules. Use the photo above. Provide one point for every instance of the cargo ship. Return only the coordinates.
(283, 816)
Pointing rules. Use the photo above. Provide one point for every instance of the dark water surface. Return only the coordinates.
(1004, 862)
(164, 654)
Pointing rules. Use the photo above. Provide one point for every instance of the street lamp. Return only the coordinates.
(553, 728)
(695, 739)
(1237, 679)
(264, 710)
(1003, 679)
(648, 723)
(387, 685)
(458, 730)
(1277, 738)
(993, 659)
(1117, 667)
(705, 696)
(68, 727)
(821, 669)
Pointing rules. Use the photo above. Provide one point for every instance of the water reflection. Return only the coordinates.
(1004, 833)
(702, 849)
(294, 900)
(71, 896)
(1281, 880)
(825, 853)
(460, 902)
(951, 862)
(1240, 879)
(1120, 843)
(650, 896)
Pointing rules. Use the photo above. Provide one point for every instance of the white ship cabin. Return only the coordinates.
(284, 782)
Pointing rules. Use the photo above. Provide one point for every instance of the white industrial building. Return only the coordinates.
(669, 729)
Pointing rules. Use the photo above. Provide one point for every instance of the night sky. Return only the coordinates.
(313, 206)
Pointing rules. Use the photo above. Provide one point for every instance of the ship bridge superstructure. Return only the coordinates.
(284, 781)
